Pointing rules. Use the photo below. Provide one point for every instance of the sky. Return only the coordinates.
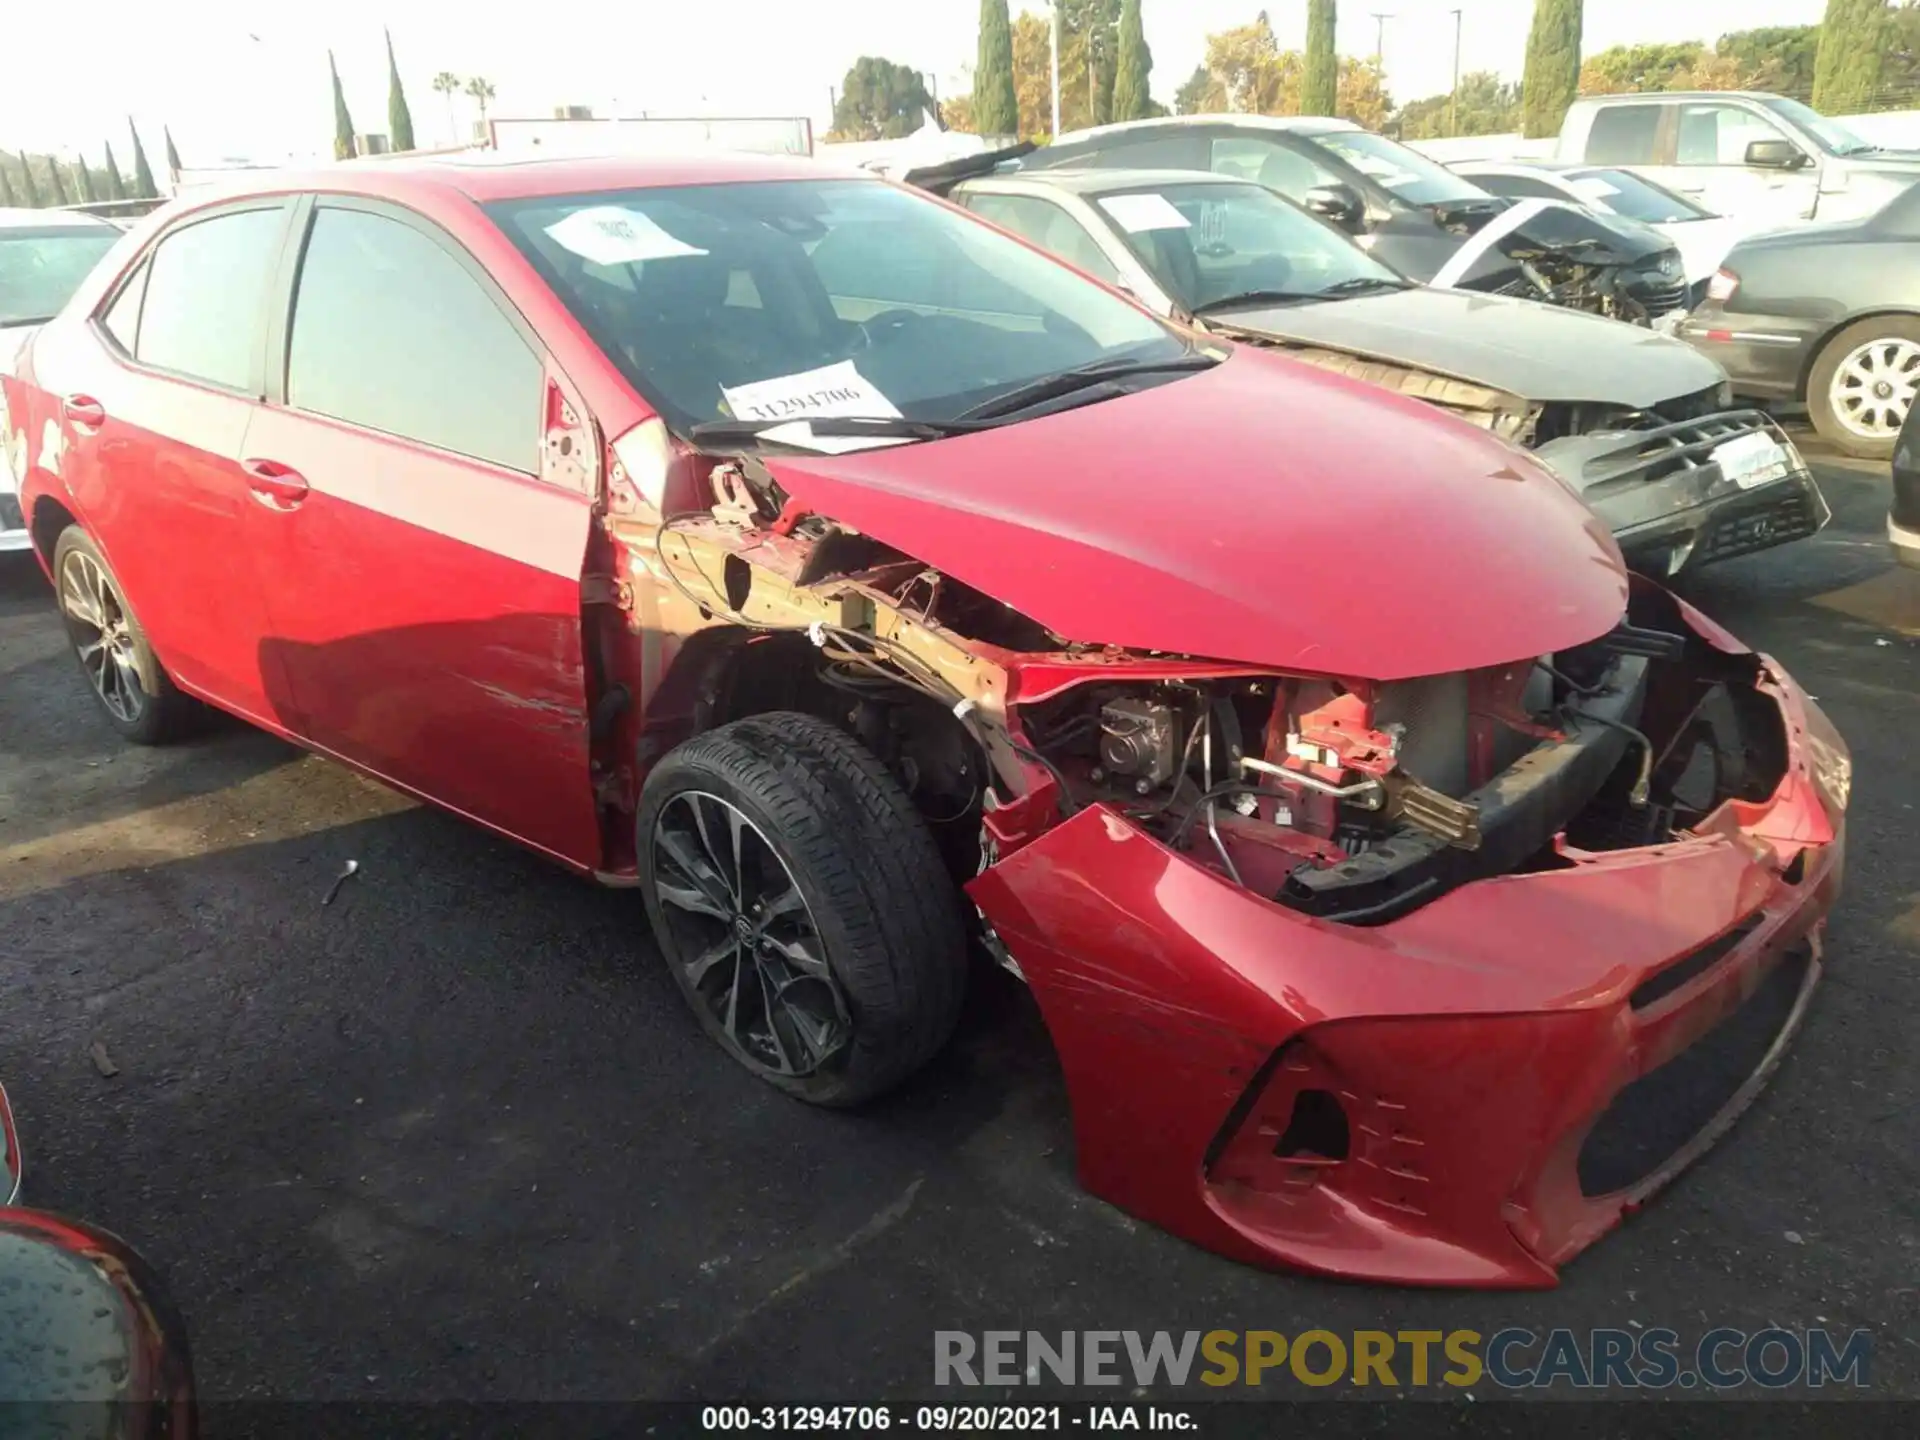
(240, 79)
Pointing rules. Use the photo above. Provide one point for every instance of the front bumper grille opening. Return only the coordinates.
(1654, 1117)
(1317, 1131)
(1652, 991)
(1759, 525)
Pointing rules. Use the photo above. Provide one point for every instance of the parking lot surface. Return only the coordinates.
(456, 1135)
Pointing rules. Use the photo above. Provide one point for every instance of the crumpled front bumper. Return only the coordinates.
(1669, 501)
(1463, 1062)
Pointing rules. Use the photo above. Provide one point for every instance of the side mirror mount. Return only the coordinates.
(1338, 203)
(1775, 155)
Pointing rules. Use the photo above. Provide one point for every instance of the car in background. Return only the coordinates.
(1828, 315)
(1703, 237)
(1420, 217)
(872, 591)
(1636, 423)
(1903, 519)
(1759, 158)
(44, 255)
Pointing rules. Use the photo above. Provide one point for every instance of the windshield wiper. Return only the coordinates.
(1084, 377)
(832, 426)
(1362, 284)
(1255, 297)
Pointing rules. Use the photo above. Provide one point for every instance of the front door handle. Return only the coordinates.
(84, 411)
(276, 486)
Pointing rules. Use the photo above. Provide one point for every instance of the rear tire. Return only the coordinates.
(133, 689)
(802, 906)
(1863, 383)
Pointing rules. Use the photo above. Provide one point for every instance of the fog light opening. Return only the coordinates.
(1316, 1131)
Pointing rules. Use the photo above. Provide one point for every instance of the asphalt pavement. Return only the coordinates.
(454, 1135)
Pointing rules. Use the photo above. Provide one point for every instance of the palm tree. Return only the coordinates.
(481, 91)
(448, 84)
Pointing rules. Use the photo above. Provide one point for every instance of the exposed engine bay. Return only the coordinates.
(1548, 251)
(1338, 797)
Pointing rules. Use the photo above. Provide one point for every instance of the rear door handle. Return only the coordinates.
(84, 411)
(274, 485)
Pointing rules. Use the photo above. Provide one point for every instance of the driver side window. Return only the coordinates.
(1720, 134)
(1048, 226)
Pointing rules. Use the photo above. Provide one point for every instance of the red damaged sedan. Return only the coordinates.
(1407, 892)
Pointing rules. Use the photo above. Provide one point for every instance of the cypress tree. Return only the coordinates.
(8, 200)
(83, 179)
(1846, 70)
(115, 185)
(399, 117)
(996, 107)
(1132, 99)
(173, 155)
(58, 187)
(143, 186)
(1320, 81)
(342, 121)
(29, 192)
(1553, 66)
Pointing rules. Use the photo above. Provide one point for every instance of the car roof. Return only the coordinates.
(19, 218)
(1105, 182)
(488, 175)
(1663, 96)
(1297, 124)
(1556, 167)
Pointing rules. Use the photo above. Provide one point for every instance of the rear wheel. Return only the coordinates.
(802, 906)
(1864, 382)
(139, 699)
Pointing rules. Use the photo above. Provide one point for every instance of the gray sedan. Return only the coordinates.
(1828, 315)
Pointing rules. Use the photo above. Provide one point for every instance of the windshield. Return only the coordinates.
(1829, 135)
(1207, 243)
(790, 299)
(39, 269)
(1407, 173)
(1637, 199)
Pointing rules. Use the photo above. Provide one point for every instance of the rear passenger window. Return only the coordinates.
(205, 300)
(1049, 227)
(1520, 187)
(1625, 135)
(391, 332)
(122, 320)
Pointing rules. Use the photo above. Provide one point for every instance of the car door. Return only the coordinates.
(422, 565)
(1711, 138)
(158, 392)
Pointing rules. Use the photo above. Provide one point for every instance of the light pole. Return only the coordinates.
(1380, 35)
(1453, 103)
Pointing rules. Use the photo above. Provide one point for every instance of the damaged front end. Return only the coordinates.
(1388, 980)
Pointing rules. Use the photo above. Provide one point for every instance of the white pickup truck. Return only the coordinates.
(1757, 157)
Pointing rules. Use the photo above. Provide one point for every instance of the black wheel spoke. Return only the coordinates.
(704, 891)
(702, 965)
(801, 955)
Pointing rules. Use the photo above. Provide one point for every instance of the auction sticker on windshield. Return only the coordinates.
(609, 235)
(1753, 460)
(830, 390)
(1137, 213)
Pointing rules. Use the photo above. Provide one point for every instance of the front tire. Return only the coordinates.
(1864, 382)
(802, 906)
(133, 689)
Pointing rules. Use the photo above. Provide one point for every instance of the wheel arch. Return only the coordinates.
(1819, 346)
(50, 517)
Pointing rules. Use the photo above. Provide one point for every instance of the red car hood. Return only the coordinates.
(1263, 511)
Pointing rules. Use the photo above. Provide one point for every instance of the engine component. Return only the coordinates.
(1139, 740)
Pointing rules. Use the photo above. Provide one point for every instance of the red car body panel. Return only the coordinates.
(423, 617)
(1210, 516)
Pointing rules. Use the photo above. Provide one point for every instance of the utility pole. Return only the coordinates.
(1056, 68)
(1380, 35)
(1453, 103)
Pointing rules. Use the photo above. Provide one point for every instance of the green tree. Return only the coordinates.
(1200, 95)
(879, 100)
(1628, 68)
(57, 186)
(143, 186)
(1847, 66)
(996, 108)
(1319, 82)
(115, 185)
(173, 155)
(83, 181)
(1488, 105)
(481, 90)
(1132, 97)
(7, 198)
(29, 192)
(1089, 55)
(1553, 66)
(342, 121)
(399, 117)
(1779, 58)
